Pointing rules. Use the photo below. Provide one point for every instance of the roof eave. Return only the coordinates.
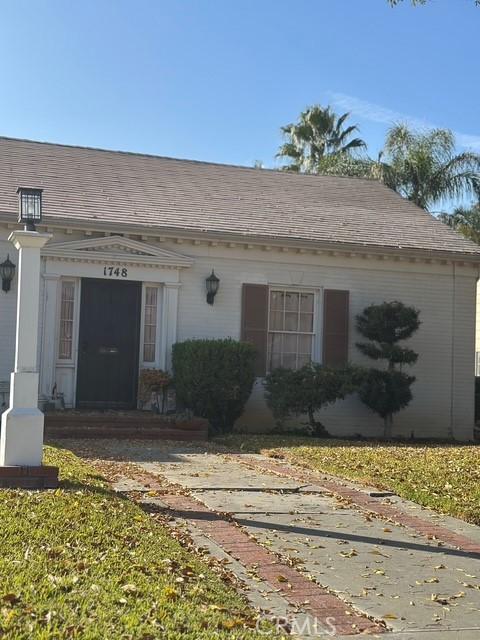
(263, 239)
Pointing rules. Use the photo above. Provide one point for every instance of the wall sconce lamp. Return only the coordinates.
(212, 283)
(7, 272)
(30, 207)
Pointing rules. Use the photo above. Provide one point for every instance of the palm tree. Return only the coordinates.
(423, 166)
(464, 220)
(318, 134)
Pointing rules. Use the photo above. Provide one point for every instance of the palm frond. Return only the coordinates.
(356, 143)
(289, 150)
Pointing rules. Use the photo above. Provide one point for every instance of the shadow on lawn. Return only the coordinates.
(164, 451)
(255, 443)
(76, 485)
(126, 450)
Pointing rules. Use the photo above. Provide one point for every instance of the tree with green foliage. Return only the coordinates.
(341, 164)
(424, 168)
(307, 390)
(318, 134)
(387, 391)
(465, 220)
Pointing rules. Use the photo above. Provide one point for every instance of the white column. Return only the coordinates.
(21, 440)
(169, 322)
(49, 337)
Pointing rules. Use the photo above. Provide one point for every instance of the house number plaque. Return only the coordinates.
(115, 272)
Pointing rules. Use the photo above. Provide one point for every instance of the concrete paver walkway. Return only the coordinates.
(318, 551)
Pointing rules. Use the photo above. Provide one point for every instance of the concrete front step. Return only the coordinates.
(71, 425)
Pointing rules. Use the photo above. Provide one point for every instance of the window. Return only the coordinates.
(150, 324)
(290, 329)
(66, 321)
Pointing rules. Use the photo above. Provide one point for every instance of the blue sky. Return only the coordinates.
(215, 79)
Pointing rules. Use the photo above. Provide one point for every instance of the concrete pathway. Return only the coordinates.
(311, 547)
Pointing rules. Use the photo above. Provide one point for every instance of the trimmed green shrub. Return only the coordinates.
(386, 392)
(385, 325)
(214, 379)
(307, 390)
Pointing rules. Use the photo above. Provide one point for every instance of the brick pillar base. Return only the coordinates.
(42, 477)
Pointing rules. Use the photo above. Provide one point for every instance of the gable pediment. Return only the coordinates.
(116, 250)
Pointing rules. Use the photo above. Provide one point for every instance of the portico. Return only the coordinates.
(69, 340)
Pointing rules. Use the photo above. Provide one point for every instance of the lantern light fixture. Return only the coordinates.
(30, 207)
(212, 284)
(7, 272)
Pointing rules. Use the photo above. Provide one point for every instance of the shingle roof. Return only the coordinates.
(91, 186)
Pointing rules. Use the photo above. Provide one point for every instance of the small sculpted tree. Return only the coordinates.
(387, 391)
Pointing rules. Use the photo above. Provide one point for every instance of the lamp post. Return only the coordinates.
(21, 439)
(29, 207)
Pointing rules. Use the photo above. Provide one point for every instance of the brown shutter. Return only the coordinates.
(254, 322)
(335, 327)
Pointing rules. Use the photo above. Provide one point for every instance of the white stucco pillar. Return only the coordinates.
(21, 440)
(49, 326)
(169, 322)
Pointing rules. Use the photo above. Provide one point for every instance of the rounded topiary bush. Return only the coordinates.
(214, 379)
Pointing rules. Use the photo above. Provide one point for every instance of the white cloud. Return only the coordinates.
(376, 113)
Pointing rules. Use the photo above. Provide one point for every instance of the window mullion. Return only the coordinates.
(299, 343)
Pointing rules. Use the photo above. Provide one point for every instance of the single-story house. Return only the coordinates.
(297, 256)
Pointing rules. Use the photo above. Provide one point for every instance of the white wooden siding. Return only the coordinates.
(443, 392)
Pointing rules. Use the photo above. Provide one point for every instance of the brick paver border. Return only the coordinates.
(299, 591)
(360, 499)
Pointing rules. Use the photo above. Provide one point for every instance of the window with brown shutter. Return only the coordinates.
(281, 325)
(255, 322)
(335, 327)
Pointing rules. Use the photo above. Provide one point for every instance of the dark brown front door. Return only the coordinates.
(108, 344)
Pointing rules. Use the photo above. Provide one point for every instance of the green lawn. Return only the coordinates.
(440, 476)
(82, 562)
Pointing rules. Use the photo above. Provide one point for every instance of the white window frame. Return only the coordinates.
(316, 314)
(75, 322)
(155, 364)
